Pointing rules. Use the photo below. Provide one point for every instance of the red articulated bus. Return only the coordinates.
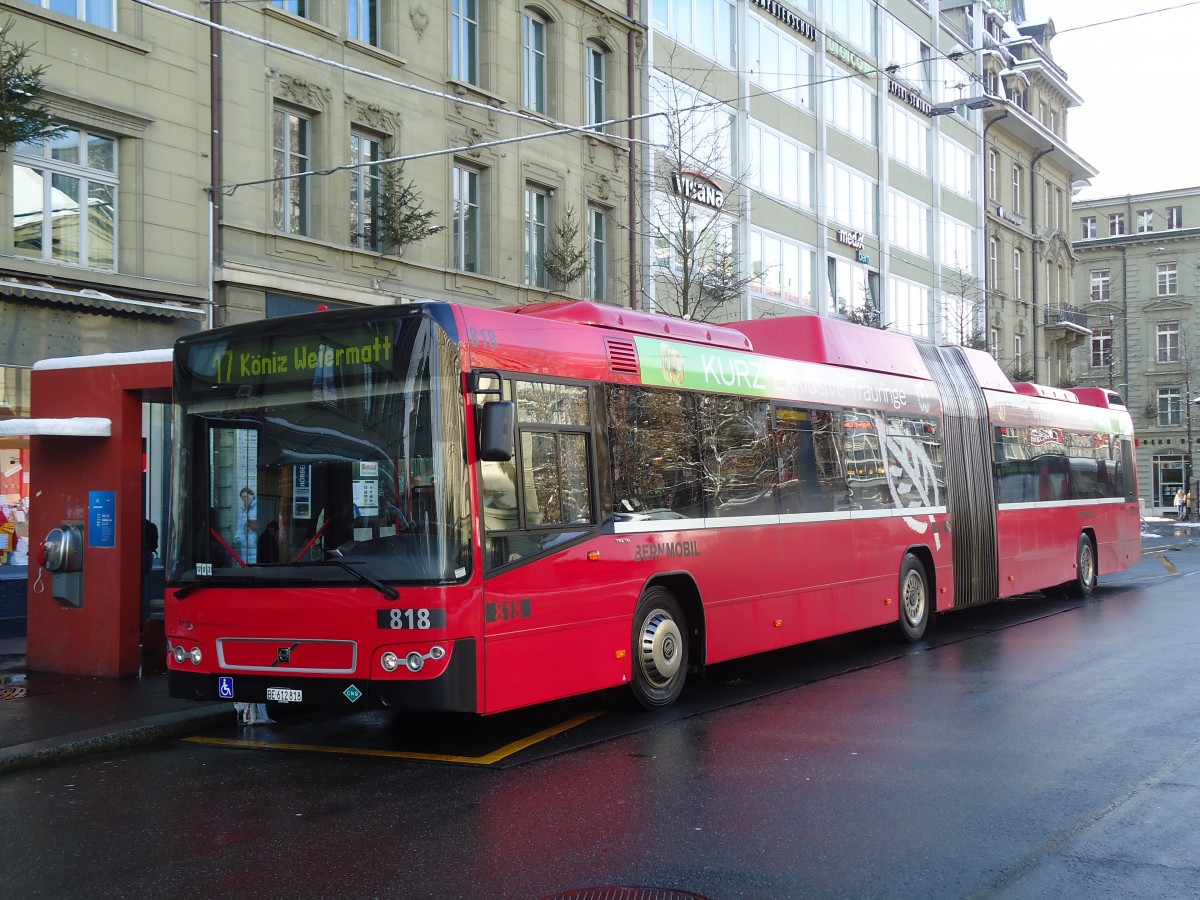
(436, 506)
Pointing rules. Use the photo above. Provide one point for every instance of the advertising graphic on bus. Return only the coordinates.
(438, 506)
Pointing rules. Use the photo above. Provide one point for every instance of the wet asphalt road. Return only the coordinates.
(1033, 749)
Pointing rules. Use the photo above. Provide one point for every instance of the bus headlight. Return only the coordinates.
(180, 655)
(390, 661)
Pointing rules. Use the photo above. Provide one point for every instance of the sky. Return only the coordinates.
(1138, 124)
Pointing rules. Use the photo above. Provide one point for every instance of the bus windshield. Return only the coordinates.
(323, 448)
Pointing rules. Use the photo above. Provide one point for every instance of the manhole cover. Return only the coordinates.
(12, 691)
(626, 893)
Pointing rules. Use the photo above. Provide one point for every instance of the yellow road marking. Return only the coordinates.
(486, 760)
(1167, 565)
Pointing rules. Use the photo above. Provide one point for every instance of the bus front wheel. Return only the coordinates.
(660, 649)
(914, 600)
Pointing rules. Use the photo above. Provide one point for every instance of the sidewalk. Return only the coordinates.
(45, 718)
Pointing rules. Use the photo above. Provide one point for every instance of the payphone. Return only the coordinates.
(62, 554)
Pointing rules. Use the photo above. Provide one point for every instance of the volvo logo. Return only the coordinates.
(283, 656)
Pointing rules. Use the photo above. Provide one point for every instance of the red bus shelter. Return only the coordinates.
(87, 496)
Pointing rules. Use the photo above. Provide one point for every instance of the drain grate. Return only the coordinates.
(626, 893)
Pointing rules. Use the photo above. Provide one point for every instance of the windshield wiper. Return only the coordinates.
(390, 592)
(182, 592)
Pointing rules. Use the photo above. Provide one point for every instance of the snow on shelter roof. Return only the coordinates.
(134, 358)
(80, 426)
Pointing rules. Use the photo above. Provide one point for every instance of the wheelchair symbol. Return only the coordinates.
(225, 687)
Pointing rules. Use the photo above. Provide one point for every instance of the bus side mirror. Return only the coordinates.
(498, 425)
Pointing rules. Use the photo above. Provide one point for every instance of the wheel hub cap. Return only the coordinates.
(661, 642)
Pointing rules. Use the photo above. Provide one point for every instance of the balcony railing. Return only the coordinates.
(1066, 315)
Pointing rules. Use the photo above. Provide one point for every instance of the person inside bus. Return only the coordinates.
(268, 543)
(245, 528)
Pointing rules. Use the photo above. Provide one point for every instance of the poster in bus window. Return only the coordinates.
(366, 497)
(302, 492)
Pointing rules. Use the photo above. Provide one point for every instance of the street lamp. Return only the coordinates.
(945, 109)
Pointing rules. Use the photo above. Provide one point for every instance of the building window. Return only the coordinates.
(851, 198)
(65, 199)
(295, 7)
(291, 136)
(1018, 352)
(1168, 278)
(464, 40)
(1116, 224)
(908, 305)
(781, 269)
(597, 238)
(1101, 285)
(851, 105)
(95, 12)
(1102, 356)
(364, 191)
(778, 64)
(958, 167)
(1145, 220)
(958, 245)
(852, 287)
(993, 272)
(708, 26)
(1174, 217)
(908, 223)
(536, 204)
(466, 219)
(1018, 178)
(779, 167)
(595, 61)
(1168, 342)
(993, 187)
(854, 20)
(1088, 227)
(994, 343)
(533, 62)
(1170, 405)
(363, 24)
(1018, 265)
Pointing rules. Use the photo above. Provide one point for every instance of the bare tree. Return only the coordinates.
(961, 315)
(696, 203)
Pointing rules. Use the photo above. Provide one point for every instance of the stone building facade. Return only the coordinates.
(1140, 288)
(1031, 170)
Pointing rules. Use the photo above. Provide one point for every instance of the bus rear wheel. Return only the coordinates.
(1085, 569)
(660, 649)
(914, 600)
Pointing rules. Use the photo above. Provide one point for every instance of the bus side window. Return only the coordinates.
(498, 497)
(810, 477)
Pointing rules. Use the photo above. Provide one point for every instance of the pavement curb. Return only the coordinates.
(111, 737)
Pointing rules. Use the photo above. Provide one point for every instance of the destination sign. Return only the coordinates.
(292, 358)
(682, 365)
